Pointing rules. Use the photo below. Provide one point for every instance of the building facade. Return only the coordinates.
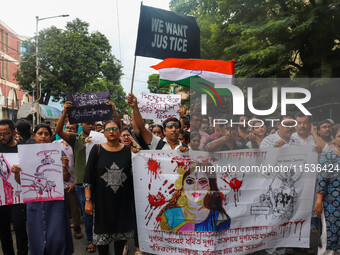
(11, 95)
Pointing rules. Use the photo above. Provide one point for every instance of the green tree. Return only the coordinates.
(153, 85)
(275, 38)
(69, 59)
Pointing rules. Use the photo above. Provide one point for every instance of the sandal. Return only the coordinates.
(91, 248)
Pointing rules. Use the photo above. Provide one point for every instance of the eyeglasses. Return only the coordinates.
(126, 135)
(89, 123)
(111, 129)
(176, 125)
(4, 134)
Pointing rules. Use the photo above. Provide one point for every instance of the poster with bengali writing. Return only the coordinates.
(89, 107)
(233, 202)
(158, 106)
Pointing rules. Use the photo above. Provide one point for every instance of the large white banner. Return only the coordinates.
(41, 172)
(233, 202)
(10, 190)
(158, 106)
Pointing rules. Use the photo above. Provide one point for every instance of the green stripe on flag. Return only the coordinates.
(196, 83)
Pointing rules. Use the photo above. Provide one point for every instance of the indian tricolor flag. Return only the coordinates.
(198, 74)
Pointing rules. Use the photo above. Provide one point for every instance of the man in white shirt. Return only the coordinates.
(282, 137)
(172, 127)
(303, 129)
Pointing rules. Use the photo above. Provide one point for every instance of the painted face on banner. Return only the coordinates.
(4, 168)
(196, 186)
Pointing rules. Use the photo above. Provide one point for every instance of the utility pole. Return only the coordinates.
(38, 86)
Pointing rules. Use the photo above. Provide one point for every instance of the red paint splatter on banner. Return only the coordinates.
(157, 200)
(285, 227)
(153, 166)
(158, 218)
(181, 162)
(297, 222)
(235, 185)
(172, 191)
(165, 182)
(171, 186)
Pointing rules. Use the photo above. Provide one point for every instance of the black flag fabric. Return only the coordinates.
(165, 34)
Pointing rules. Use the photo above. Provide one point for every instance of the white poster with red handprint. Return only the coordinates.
(211, 203)
(41, 172)
(10, 190)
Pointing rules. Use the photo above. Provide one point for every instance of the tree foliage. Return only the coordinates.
(153, 85)
(70, 60)
(273, 38)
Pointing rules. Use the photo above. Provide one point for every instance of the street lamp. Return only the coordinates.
(37, 59)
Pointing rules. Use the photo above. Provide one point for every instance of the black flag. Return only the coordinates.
(164, 34)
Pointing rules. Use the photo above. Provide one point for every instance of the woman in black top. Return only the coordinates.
(108, 175)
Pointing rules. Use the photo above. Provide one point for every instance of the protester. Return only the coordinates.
(195, 139)
(171, 128)
(127, 139)
(70, 193)
(48, 222)
(77, 142)
(283, 136)
(24, 130)
(195, 125)
(184, 137)
(99, 126)
(324, 131)
(186, 125)
(328, 200)
(242, 130)
(158, 130)
(205, 127)
(225, 141)
(259, 131)
(114, 217)
(15, 214)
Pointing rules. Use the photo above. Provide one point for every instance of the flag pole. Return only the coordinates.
(133, 73)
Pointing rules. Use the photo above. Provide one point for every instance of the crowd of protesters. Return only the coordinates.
(103, 218)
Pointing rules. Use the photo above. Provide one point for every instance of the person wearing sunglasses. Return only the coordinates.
(108, 187)
(171, 126)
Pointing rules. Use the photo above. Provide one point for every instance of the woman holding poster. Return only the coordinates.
(327, 203)
(48, 222)
(197, 204)
(108, 183)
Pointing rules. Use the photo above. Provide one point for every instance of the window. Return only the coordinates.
(7, 42)
(7, 70)
(2, 74)
(2, 39)
(18, 50)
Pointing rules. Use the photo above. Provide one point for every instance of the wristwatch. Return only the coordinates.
(87, 199)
